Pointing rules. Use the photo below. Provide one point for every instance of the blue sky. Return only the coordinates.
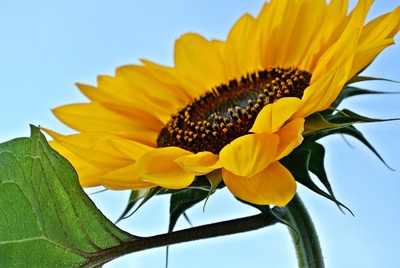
(47, 46)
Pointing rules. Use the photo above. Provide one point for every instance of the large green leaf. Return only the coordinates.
(46, 219)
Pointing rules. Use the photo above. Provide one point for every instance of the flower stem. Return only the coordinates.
(191, 234)
(304, 235)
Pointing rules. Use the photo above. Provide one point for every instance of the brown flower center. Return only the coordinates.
(229, 111)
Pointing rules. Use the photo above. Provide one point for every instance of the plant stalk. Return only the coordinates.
(195, 233)
(304, 235)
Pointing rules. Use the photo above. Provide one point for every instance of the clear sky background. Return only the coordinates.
(47, 46)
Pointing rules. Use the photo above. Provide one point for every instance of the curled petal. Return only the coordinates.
(274, 115)
(320, 95)
(124, 178)
(159, 167)
(274, 185)
(290, 136)
(249, 154)
(199, 164)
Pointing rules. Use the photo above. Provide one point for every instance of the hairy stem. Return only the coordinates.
(191, 234)
(304, 235)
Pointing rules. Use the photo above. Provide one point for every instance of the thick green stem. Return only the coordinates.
(303, 234)
(195, 233)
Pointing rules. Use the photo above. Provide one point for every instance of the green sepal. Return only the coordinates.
(355, 133)
(264, 209)
(350, 91)
(360, 78)
(215, 179)
(309, 157)
(146, 195)
(319, 125)
(181, 201)
(134, 197)
(149, 194)
(349, 117)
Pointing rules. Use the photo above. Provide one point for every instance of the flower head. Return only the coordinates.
(236, 107)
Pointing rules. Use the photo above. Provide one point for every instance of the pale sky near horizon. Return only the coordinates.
(47, 46)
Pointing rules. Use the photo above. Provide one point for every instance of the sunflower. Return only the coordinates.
(229, 108)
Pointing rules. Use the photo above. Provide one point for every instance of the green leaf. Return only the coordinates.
(46, 219)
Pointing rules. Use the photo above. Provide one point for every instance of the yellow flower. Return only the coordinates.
(233, 107)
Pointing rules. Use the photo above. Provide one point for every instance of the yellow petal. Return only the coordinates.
(319, 23)
(94, 148)
(383, 27)
(339, 55)
(95, 117)
(367, 53)
(327, 29)
(242, 54)
(138, 88)
(274, 115)
(342, 52)
(274, 185)
(199, 61)
(129, 149)
(321, 94)
(199, 164)
(159, 167)
(170, 78)
(149, 92)
(295, 38)
(248, 155)
(271, 21)
(290, 136)
(123, 179)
